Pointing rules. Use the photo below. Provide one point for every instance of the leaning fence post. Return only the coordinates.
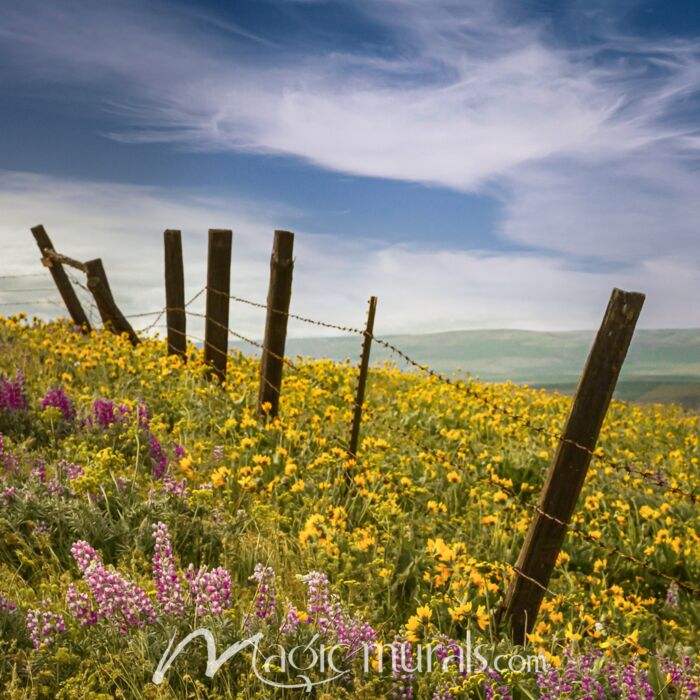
(278, 297)
(175, 294)
(112, 317)
(65, 288)
(570, 463)
(362, 379)
(218, 291)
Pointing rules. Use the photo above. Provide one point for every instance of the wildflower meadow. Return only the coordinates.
(142, 500)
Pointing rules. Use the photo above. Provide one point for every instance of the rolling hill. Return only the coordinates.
(663, 365)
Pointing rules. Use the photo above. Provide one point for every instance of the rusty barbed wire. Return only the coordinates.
(165, 309)
(304, 319)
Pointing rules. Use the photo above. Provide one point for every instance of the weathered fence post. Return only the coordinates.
(278, 297)
(362, 379)
(568, 469)
(218, 291)
(175, 294)
(112, 317)
(65, 288)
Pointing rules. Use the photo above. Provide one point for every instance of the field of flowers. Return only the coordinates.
(139, 501)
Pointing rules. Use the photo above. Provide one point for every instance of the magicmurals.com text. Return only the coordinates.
(321, 661)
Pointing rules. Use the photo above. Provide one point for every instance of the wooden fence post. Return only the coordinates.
(218, 291)
(278, 297)
(112, 317)
(362, 379)
(175, 294)
(567, 472)
(65, 288)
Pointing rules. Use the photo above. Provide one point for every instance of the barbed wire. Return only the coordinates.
(261, 346)
(165, 309)
(304, 319)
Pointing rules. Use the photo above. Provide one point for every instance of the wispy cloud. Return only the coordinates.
(465, 97)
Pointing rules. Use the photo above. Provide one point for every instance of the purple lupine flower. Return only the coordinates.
(352, 632)
(39, 471)
(318, 598)
(402, 669)
(13, 392)
(448, 651)
(118, 600)
(68, 470)
(443, 693)
(585, 672)
(159, 460)
(6, 605)
(265, 604)
(684, 677)
(56, 397)
(85, 555)
(168, 588)
(210, 591)
(177, 488)
(180, 451)
(143, 416)
(291, 622)
(43, 626)
(494, 679)
(78, 604)
(328, 615)
(55, 487)
(104, 413)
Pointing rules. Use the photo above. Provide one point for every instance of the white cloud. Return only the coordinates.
(470, 97)
(622, 210)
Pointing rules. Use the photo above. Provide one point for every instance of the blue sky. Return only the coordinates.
(499, 164)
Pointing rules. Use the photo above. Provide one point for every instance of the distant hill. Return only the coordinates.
(662, 365)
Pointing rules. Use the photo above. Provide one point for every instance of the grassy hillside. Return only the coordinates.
(139, 501)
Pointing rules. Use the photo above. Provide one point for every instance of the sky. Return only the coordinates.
(497, 164)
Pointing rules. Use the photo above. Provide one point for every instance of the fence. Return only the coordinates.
(554, 510)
